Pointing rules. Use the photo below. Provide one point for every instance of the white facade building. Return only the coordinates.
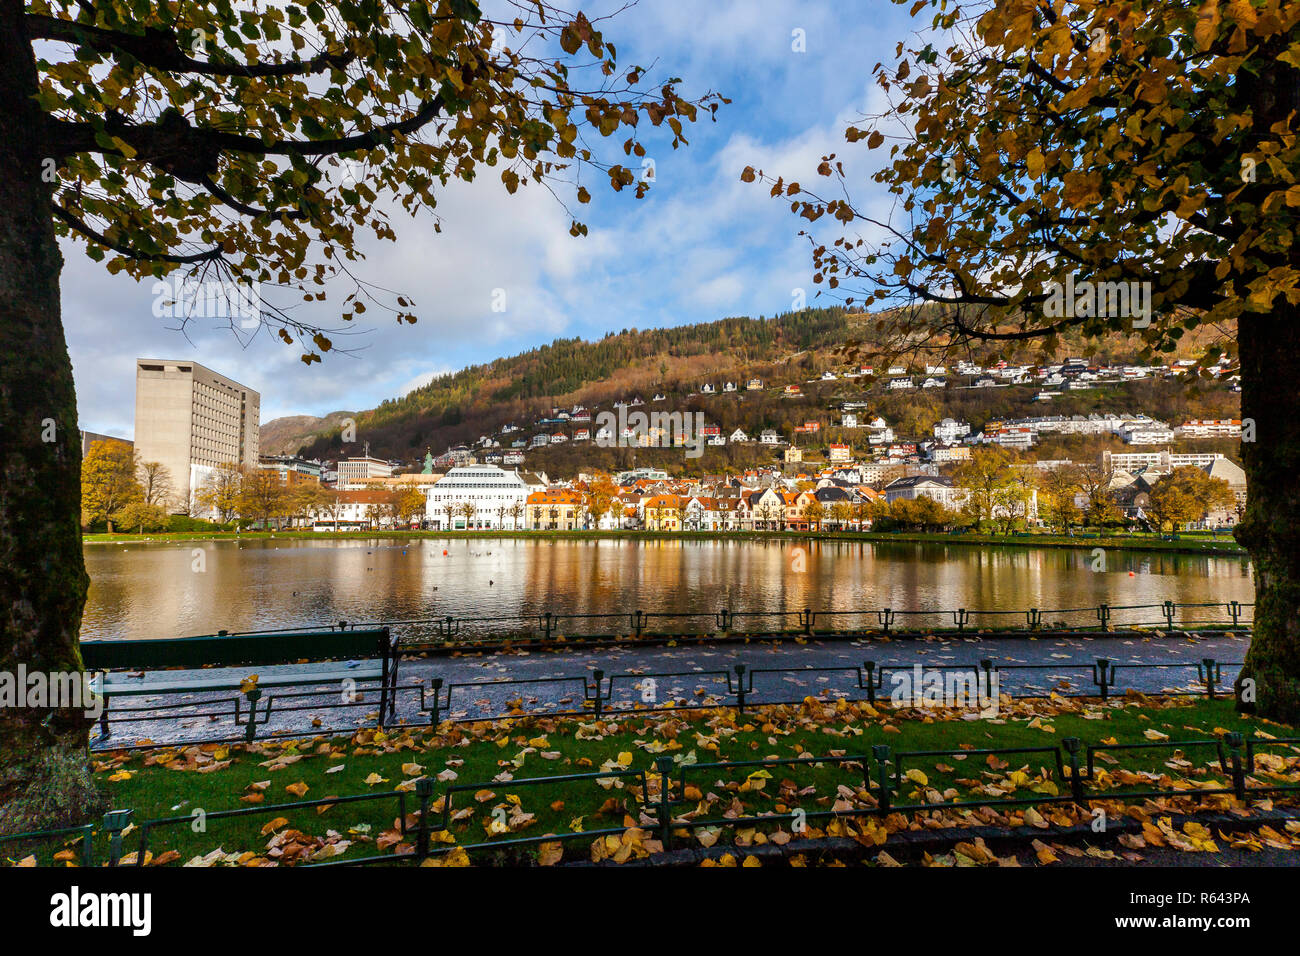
(478, 497)
(949, 430)
(355, 472)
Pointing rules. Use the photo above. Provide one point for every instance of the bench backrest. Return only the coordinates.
(235, 649)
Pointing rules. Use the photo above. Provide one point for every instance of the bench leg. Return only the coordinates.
(103, 719)
(392, 694)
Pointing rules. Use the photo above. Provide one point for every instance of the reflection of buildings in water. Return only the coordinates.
(150, 590)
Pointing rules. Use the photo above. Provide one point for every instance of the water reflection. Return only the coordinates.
(166, 589)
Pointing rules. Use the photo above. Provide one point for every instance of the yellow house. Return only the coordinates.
(664, 513)
(557, 509)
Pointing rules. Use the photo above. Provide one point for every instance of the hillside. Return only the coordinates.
(284, 436)
(461, 406)
(794, 348)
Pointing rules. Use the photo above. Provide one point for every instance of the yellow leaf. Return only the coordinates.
(1044, 853)
(550, 853)
(1034, 818)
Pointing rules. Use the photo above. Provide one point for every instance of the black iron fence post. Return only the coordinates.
(1071, 745)
(1034, 618)
(88, 848)
(806, 621)
(115, 821)
(1234, 609)
(886, 618)
(960, 617)
(436, 684)
(1103, 674)
(250, 729)
(1209, 674)
(1233, 739)
(1103, 616)
(423, 790)
(1168, 610)
(598, 676)
(880, 753)
(638, 622)
(740, 688)
(664, 766)
(870, 668)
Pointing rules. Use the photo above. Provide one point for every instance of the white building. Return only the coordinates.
(355, 472)
(949, 430)
(937, 488)
(1210, 428)
(478, 497)
(1163, 461)
(1146, 433)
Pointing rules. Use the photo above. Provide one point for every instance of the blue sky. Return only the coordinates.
(701, 246)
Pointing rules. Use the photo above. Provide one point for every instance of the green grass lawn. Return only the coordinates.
(493, 760)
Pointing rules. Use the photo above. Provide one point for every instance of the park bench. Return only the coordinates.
(114, 661)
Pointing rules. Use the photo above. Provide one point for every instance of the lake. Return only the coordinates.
(165, 589)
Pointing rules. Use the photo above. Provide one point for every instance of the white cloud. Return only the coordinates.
(701, 246)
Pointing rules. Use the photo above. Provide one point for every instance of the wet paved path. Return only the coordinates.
(483, 685)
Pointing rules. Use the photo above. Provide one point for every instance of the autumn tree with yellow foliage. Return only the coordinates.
(1035, 146)
(255, 144)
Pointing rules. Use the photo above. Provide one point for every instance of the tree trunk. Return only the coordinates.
(45, 777)
(1270, 529)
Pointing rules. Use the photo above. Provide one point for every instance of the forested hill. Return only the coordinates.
(461, 406)
(792, 348)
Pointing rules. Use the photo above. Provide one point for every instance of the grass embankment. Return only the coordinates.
(1139, 541)
(494, 758)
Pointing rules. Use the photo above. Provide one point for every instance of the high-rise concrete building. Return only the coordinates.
(191, 420)
(92, 438)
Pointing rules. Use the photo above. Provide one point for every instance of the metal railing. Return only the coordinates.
(599, 693)
(866, 785)
(639, 623)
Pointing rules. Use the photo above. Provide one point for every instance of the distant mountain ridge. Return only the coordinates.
(284, 436)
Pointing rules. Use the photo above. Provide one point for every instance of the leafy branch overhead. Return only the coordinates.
(258, 144)
(1134, 141)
